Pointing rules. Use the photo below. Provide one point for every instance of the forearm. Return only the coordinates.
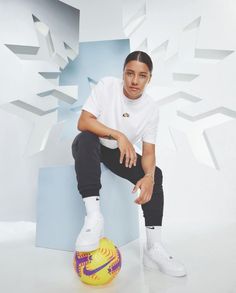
(148, 162)
(101, 130)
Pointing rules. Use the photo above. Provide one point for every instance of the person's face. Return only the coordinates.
(136, 76)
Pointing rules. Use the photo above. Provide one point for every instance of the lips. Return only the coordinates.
(134, 88)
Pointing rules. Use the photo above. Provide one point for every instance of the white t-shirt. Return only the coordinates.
(137, 119)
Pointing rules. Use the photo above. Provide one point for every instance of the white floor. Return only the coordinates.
(209, 254)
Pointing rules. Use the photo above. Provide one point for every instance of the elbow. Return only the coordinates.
(84, 123)
(80, 125)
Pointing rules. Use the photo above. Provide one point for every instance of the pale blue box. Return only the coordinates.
(61, 211)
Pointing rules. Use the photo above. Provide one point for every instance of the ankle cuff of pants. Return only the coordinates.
(153, 222)
(90, 192)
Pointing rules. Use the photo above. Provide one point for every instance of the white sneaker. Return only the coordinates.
(90, 234)
(158, 258)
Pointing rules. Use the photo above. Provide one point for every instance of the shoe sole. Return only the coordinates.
(90, 247)
(87, 248)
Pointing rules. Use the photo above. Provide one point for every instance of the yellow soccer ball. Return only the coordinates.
(100, 266)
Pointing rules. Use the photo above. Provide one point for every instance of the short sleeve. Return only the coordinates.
(150, 132)
(93, 104)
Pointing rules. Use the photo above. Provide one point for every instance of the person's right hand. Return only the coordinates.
(126, 150)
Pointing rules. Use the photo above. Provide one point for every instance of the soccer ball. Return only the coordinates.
(100, 266)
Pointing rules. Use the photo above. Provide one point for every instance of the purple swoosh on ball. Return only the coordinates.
(91, 272)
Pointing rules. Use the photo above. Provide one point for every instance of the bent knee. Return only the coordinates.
(84, 140)
(86, 137)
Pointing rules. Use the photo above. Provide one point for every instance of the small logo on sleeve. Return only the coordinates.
(125, 115)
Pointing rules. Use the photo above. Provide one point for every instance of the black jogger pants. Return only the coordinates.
(88, 153)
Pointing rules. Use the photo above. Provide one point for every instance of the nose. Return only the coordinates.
(135, 79)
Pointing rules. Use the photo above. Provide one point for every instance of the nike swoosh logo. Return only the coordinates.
(91, 272)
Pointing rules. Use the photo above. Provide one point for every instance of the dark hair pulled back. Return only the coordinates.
(141, 57)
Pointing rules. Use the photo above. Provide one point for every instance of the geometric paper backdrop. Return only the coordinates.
(192, 44)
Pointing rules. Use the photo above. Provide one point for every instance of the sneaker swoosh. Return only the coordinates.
(94, 271)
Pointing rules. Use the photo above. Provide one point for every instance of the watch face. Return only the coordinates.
(125, 115)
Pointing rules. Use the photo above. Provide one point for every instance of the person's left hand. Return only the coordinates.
(146, 185)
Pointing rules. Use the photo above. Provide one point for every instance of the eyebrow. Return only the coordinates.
(139, 72)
